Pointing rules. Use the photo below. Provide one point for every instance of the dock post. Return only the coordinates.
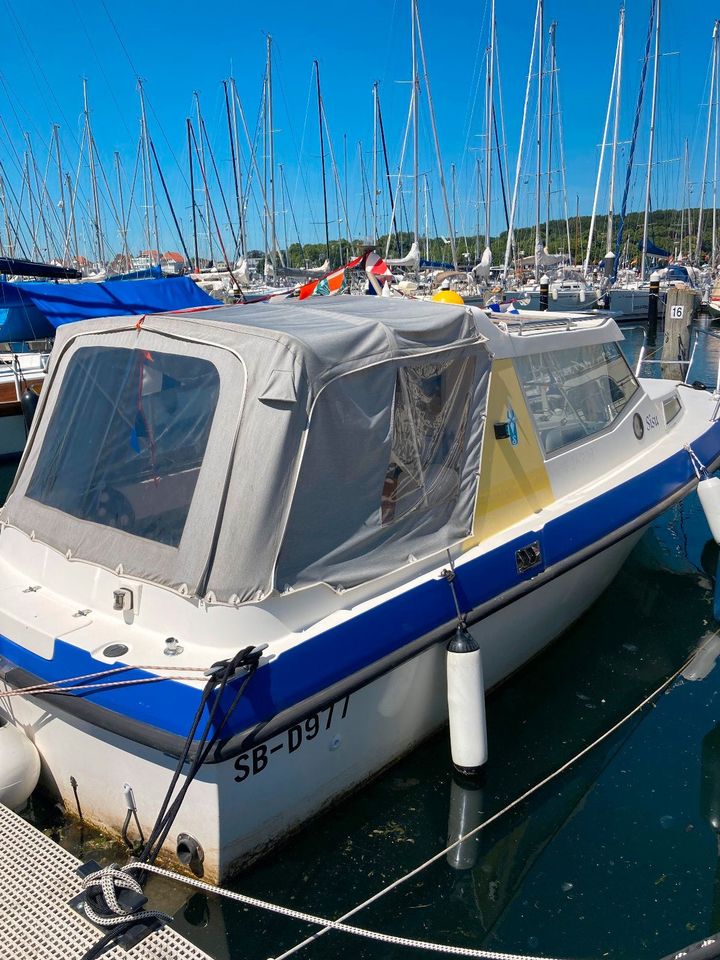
(544, 292)
(653, 301)
(679, 306)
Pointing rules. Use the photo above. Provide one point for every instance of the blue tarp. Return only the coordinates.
(147, 273)
(32, 311)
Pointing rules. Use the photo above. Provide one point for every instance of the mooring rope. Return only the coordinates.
(67, 684)
(342, 927)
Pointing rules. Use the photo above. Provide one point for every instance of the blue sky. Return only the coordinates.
(181, 48)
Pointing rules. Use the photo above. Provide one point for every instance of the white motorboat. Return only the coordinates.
(307, 499)
(563, 295)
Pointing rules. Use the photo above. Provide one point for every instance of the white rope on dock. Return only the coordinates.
(342, 927)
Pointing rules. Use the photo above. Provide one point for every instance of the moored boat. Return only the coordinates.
(327, 486)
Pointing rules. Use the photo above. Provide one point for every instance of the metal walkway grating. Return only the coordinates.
(37, 879)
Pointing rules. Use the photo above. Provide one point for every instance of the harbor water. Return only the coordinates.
(618, 856)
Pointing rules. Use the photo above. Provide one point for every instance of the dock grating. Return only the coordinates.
(37, 880)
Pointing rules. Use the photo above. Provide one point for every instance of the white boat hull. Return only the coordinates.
(240, 808)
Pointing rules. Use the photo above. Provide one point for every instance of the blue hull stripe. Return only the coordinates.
(342, 651)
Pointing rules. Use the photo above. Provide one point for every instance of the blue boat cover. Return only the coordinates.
(33, 311)
(146, 273)
(437, 264)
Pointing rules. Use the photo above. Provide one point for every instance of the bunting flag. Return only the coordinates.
(338, 281)
(375, 264)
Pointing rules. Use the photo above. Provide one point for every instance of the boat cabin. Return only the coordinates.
(241, 452)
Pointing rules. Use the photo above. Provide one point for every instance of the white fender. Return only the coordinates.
(553, 291)
(709, 494)
(466, 703)
(19, 766)
(582, 294)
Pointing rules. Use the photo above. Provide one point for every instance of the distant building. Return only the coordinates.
(173, 262)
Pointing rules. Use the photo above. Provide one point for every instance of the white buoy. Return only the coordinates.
(709, 494)
(19, 766)
(466, 703)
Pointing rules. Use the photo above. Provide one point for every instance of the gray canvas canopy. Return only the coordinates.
(229, 452)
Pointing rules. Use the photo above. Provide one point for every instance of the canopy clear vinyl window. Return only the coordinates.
(575, 393)
(381, 472)
(127, 439)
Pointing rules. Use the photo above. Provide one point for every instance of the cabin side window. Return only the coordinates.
(575, 393)
(382, 471)
(126, 440)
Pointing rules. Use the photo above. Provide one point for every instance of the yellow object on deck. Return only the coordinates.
(513, 480)
(447, 296)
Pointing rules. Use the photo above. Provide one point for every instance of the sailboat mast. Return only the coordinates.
(518, 164)
(271, 157)
(653, 111)
(489, 119)
(61, 187)
(201, 158)
(322, 157)
(708, 127)
(436, 141)
(551, 86)
(150, 177)
(478, 204)
(716, 50)
(93, 178)
(375, 164)
(238, 168)
(416, 127)
(683, 211)
(538, 142)
(188, 123)
(233, 160)
(123, 225)
(616, 124)
(73, 221)
(614, 87)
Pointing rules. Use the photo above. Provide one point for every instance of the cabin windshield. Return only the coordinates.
(126, 440)
(575, 393)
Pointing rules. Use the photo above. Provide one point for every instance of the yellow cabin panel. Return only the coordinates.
(513, 481)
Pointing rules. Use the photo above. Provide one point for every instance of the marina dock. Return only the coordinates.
(38, 881)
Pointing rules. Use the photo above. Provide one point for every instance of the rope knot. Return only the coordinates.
(112, 896)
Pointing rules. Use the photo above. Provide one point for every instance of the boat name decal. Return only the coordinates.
(257, 759)
(512, 426)
(652, 421)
